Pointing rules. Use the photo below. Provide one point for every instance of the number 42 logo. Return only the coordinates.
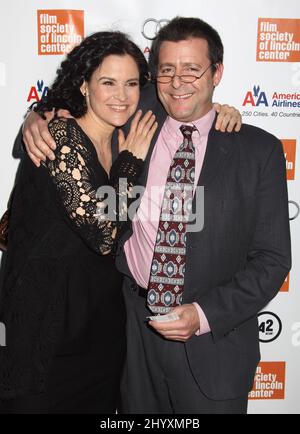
(270, 326)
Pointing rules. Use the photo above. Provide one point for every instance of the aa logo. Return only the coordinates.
(269, 381)
(37, 92)
(256, 98)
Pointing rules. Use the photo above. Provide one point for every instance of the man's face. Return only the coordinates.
(187, 102)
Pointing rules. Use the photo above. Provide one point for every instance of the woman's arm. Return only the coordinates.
(71, 176)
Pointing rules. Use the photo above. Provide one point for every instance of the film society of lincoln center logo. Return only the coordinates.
(278, 40)
(59, 30)
(269, 381)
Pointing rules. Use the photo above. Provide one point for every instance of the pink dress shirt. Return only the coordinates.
(140, 246)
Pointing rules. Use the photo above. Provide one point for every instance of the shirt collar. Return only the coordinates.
(203, 124)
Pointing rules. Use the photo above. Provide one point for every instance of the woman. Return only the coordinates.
(61, 295)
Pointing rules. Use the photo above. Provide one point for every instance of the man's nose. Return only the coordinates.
(176, 82)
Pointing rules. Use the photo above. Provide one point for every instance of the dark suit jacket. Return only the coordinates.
(240, 259)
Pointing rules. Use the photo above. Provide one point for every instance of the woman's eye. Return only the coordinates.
(108, 83)
(133, 84)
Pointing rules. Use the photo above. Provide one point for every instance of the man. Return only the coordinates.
(216, 279)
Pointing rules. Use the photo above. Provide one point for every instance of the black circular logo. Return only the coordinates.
(269, 326)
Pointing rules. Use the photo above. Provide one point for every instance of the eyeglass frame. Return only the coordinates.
(171, 78)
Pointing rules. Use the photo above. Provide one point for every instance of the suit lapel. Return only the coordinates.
(161, 116)
(219, 147)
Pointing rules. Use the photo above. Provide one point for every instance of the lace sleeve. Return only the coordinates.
(71, 175)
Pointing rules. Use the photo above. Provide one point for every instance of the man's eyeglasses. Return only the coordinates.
(165, 79)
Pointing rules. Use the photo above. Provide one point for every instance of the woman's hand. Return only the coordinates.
(141, 132)
(229, 118)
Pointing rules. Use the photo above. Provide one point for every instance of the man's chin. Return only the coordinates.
(181, 115)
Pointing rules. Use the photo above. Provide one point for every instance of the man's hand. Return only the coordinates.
(181, 329)
(229, 118)
(38, 141)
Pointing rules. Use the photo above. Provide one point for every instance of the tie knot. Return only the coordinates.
(187, 130)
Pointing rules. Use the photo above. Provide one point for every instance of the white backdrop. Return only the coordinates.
(251, 85)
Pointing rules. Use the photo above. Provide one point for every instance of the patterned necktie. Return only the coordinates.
(166, 281)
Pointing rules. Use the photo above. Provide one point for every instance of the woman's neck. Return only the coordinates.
(100, 135)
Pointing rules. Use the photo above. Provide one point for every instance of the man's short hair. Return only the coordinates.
(180, 29)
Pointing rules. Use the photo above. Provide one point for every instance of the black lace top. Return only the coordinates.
(73, 179)
(60, 249)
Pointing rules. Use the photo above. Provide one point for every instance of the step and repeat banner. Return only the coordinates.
(262, 79)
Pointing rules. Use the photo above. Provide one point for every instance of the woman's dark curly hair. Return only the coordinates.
(79, 66)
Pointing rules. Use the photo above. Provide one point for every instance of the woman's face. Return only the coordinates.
(113, 90)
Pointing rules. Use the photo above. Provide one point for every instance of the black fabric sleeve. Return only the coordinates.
(85, 208)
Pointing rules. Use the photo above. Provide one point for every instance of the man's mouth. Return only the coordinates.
(184, 96)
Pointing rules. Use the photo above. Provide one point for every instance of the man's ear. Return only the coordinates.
(218, 74)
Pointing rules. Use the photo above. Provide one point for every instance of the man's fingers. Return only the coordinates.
(63, 113)
(175, 336)
(238, 124)
(33, 158)
(167, 326)
(232, 124)
(32, 149)
(225, 113)
(225, 121)
(35, 138)
(44, 149)
(47, 138)
(217, 107)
